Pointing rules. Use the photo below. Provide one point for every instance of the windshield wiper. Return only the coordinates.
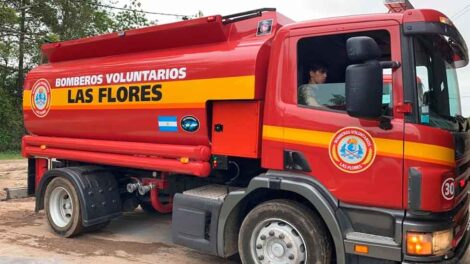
(460, 118)
(447, 117)
(462, 122)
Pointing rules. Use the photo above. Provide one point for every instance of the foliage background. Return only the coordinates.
(26, 24)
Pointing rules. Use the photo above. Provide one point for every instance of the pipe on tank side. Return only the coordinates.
(201, 153)
(196, 168)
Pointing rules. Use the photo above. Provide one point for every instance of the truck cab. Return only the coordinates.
(417, 175)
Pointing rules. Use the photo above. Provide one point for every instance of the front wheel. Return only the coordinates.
(63, 208)
(283, 231)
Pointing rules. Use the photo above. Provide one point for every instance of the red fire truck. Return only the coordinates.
(202, 118)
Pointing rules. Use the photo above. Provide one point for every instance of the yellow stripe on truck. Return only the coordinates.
(429, 153)
(385, 147)
(175, 94)
(297, 136)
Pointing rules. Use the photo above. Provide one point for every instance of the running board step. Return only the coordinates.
(196, 216)
(363, 237)
(212, 191)
(378, 246)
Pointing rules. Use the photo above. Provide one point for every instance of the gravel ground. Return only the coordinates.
(135, 237)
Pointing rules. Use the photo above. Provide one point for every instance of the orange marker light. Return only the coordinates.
(361, 249)
(43, 147)
(445, 20)
(184, 160)
(419, 243)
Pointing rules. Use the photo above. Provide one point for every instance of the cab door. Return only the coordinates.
(359, 161)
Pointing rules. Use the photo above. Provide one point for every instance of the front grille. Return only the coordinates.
(461, 221)
(462, 170)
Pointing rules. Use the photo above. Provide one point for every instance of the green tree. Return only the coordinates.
(26, 24)
(68, 19)
(11, 121)
(126, 19)
(338, 99)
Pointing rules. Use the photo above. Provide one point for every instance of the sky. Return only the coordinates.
(300, 10)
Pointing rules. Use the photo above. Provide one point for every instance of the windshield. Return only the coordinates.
(437, 86)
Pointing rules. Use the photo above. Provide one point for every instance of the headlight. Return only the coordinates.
(437, 243)
(442, 241)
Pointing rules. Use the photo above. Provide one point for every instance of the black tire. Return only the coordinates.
(74, 225)
(307, 231)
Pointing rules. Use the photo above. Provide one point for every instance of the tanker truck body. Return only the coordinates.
(205, 119)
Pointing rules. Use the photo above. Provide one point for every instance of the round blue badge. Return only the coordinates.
(189, 124)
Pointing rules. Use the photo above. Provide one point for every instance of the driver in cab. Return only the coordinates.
(307, 92)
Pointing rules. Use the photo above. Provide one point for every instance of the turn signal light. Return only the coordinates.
(361, 249)
(184, 160)
(419, 243)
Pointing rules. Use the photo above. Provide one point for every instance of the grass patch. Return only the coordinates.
(8, 155)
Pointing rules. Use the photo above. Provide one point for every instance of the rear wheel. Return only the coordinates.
(282, 231)
(63, 207)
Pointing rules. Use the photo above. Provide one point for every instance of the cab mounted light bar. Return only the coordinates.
(398, 6)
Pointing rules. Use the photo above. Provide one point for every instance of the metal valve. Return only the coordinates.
(132, 187)
(143, 189)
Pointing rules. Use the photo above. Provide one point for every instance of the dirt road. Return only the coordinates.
(135, 237)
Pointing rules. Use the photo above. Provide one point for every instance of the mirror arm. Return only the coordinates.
(390, 64)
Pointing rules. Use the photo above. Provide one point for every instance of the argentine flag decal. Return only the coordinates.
(167, 123)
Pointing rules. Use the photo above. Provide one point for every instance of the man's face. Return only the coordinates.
(318, 76)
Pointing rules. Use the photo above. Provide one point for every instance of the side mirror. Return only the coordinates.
(364, 81)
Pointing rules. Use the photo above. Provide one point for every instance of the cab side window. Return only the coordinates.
(321, 69)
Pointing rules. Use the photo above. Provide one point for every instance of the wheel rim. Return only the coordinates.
(61, 207)
(277, 241)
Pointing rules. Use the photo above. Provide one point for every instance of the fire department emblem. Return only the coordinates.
(352, 150)
(41, 98)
